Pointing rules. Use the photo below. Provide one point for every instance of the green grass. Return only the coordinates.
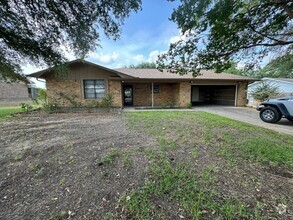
(267, 150)
(111, 156)
(236, 138)
(7, 111)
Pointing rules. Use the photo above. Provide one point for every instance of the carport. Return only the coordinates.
(213, 95)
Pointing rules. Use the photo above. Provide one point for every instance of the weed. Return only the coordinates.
(62, 181)
(110, 158)
(38, 169)
(51, 107)
(194, 152)
(127, 162)
(59, 216)
(26, 107)
(17, 158)
(68, 146)
(189, 105)
(109, 216)
(70, 160)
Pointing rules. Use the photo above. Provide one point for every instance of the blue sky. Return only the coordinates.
(144, 35)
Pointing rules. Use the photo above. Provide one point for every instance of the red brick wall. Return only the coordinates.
(168, 94)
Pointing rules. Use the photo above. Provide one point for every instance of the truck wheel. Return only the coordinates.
(270, 115)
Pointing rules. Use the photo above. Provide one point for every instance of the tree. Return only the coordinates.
(144, 65)
(279, 67)
(216, 33)
(39, 32)
(265, 91)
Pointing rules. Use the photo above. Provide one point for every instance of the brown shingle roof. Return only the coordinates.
(125, 73)
(204, 74)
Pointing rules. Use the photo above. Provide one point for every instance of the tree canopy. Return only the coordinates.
(216, 33)
(40, 32)
(144, 65)
(280, 67)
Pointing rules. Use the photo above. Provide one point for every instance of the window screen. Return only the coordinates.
(94, 89)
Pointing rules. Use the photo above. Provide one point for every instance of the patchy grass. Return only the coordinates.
(175, 179)
(111, 156)
(7, 111)
(178, 184)
(234, 138)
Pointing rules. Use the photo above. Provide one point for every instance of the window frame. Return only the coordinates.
(95, 93)
(156, 90)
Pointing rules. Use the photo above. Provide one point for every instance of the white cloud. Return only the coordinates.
(139, 58)
(104, 58)
(174, 39)
(153, 56)
(180, 36)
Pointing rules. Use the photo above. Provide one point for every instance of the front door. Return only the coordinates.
(128, 95)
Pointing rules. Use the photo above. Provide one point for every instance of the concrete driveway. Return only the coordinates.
(248, 115)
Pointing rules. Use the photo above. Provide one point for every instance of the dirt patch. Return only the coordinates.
(51, 165)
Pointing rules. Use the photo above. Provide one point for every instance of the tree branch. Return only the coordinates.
(256, 45)
(264, 35)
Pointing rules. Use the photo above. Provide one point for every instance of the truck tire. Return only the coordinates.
(270, 115)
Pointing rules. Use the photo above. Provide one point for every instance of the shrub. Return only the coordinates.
(92, 104)
(51, 107)
(264, 91)
(42, 95)
(107, 101)
(71, 99)
(189, 105)
(26, 107)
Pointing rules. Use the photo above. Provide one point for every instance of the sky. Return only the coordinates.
(144, 36)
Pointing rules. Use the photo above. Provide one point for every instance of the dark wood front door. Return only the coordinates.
(128, 95)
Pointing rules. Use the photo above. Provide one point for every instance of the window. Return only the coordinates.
(94, 89)
(156, 88)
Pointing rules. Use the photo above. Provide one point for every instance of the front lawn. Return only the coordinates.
(143, 165)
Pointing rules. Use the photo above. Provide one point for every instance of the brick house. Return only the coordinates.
(144, 87)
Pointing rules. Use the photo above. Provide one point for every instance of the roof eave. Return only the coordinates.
(41, 73)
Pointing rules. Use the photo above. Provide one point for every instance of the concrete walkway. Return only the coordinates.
(244, 114)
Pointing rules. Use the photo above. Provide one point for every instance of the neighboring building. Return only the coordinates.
(285, 86)
(13, 93)
(144, 87)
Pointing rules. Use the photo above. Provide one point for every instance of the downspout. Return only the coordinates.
(152, 94)
(236, 94)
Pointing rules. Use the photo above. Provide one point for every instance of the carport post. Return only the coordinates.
(152, 94)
